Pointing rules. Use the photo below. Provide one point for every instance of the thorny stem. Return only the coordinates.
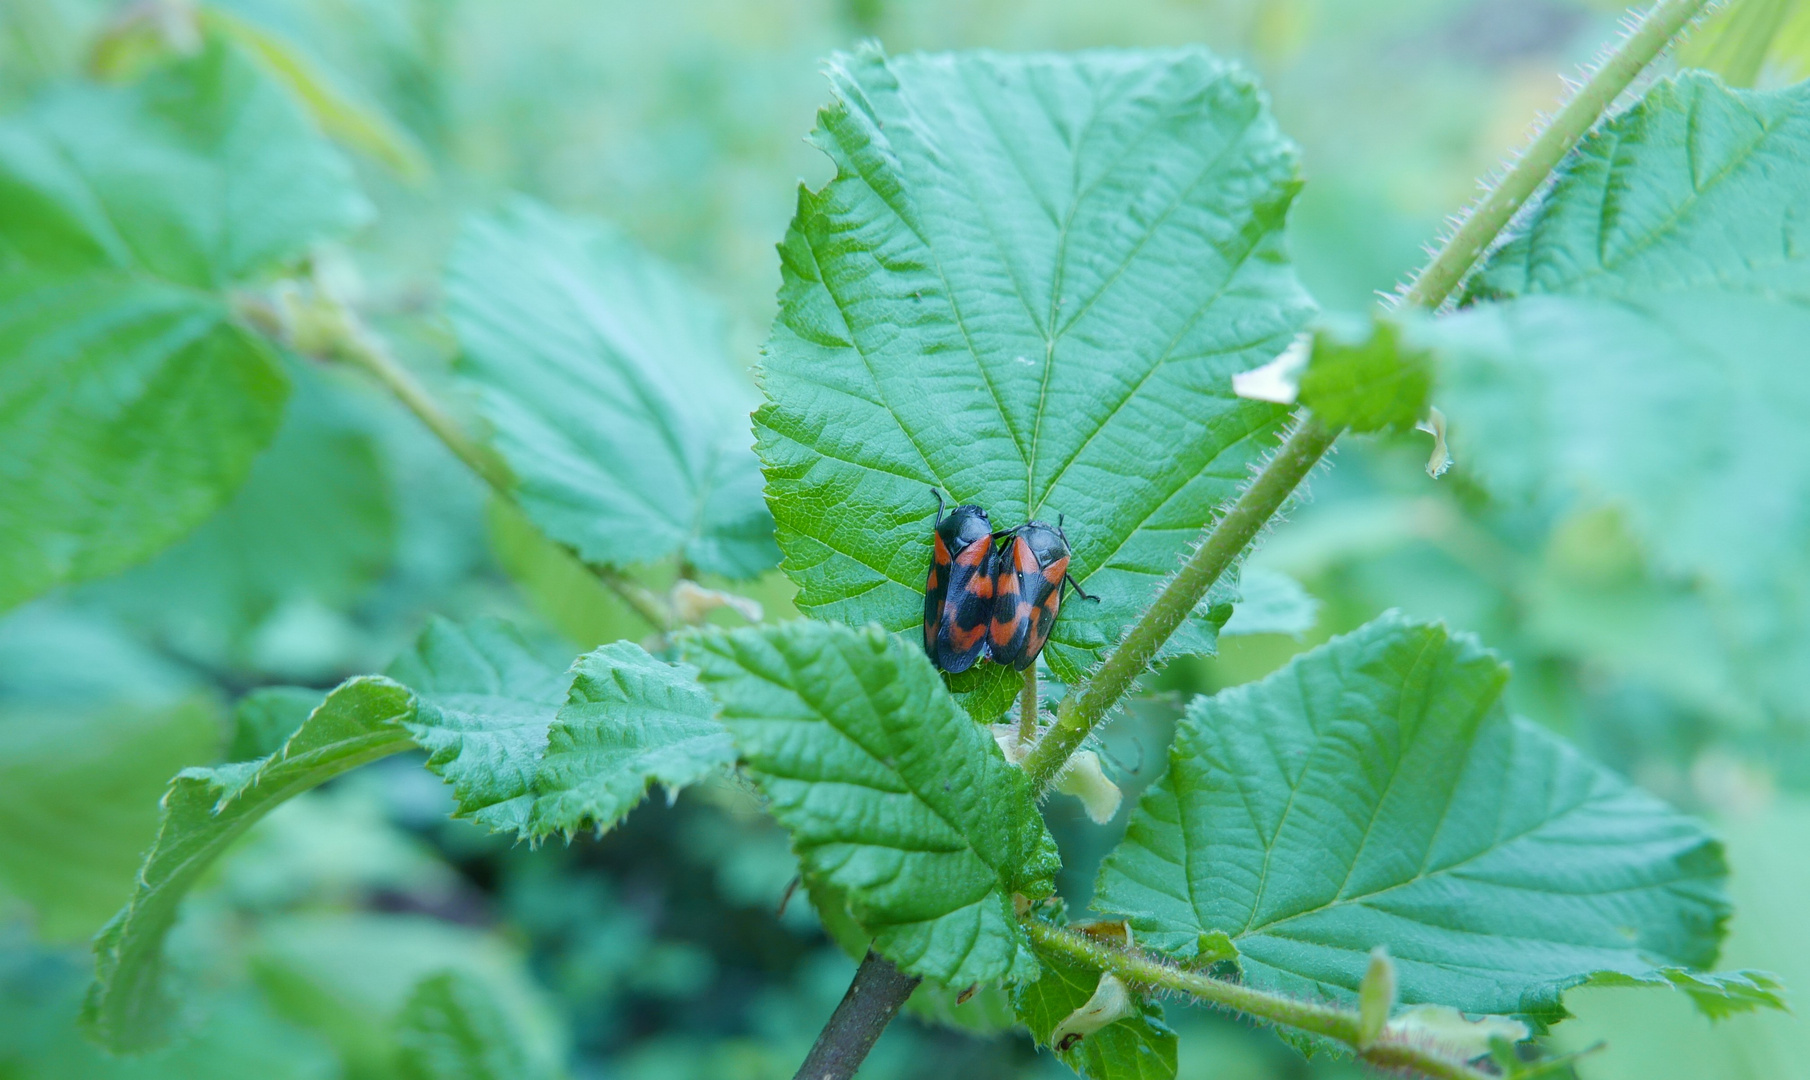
(1087, 705)
(341, 335)
(1389, 1050)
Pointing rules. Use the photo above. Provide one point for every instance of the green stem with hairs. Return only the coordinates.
(1388, 1050)
(338, 334)
(1087, 705)
(1080, 712)
(1487, 219)
(1027, 708)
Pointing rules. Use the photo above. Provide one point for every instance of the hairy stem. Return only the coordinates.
(1087, 705)
(1027, 708)
(339, 334)
(873, 999)
(1485, 221)
(1388, 1050)
(1080, 712)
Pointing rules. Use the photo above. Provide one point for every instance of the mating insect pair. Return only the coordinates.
(1001, 600)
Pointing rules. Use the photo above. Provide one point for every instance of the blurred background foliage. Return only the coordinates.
(661, 950)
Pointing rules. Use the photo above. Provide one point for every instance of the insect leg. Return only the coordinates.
(1083, 593)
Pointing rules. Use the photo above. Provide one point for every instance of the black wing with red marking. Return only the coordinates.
(1029, 569)
(958, 595)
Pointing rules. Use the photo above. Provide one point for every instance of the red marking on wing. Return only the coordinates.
(1054, 571)
(972, 555)
(941, 554)
(982, 586)
(1004, 630)
(1040, 625)
(1023, 558)
(965, 639)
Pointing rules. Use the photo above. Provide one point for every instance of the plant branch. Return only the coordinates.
(1388, 1050)
(1087, 705)
(1485, 222)
(873, 999)
(326, 328)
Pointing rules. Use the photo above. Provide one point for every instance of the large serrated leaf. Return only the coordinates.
(890, 791)
(1648, 346)
(608, 384)
(1029, 286)
(204, 811)
(130, 404)
(1376, 792)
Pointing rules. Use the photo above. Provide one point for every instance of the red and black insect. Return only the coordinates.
(958, 597)
(1030, 568)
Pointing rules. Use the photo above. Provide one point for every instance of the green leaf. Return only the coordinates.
(608, 384)
(452, 1029)
(1367, 377)
(1650, 347)
(1029, 285)
(487, 695)
(631, 721)
(1376, 792)
(890, 791)
(310, 531)
(204, 811)
(534, 748)
(1717, 994)
(122, 378)
(81, 784)
(987, 1010)
(1139, 1047)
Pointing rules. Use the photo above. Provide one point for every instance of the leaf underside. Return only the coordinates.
(1376, 792)
(535, 748)
(631, 721)
(1028, 286)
